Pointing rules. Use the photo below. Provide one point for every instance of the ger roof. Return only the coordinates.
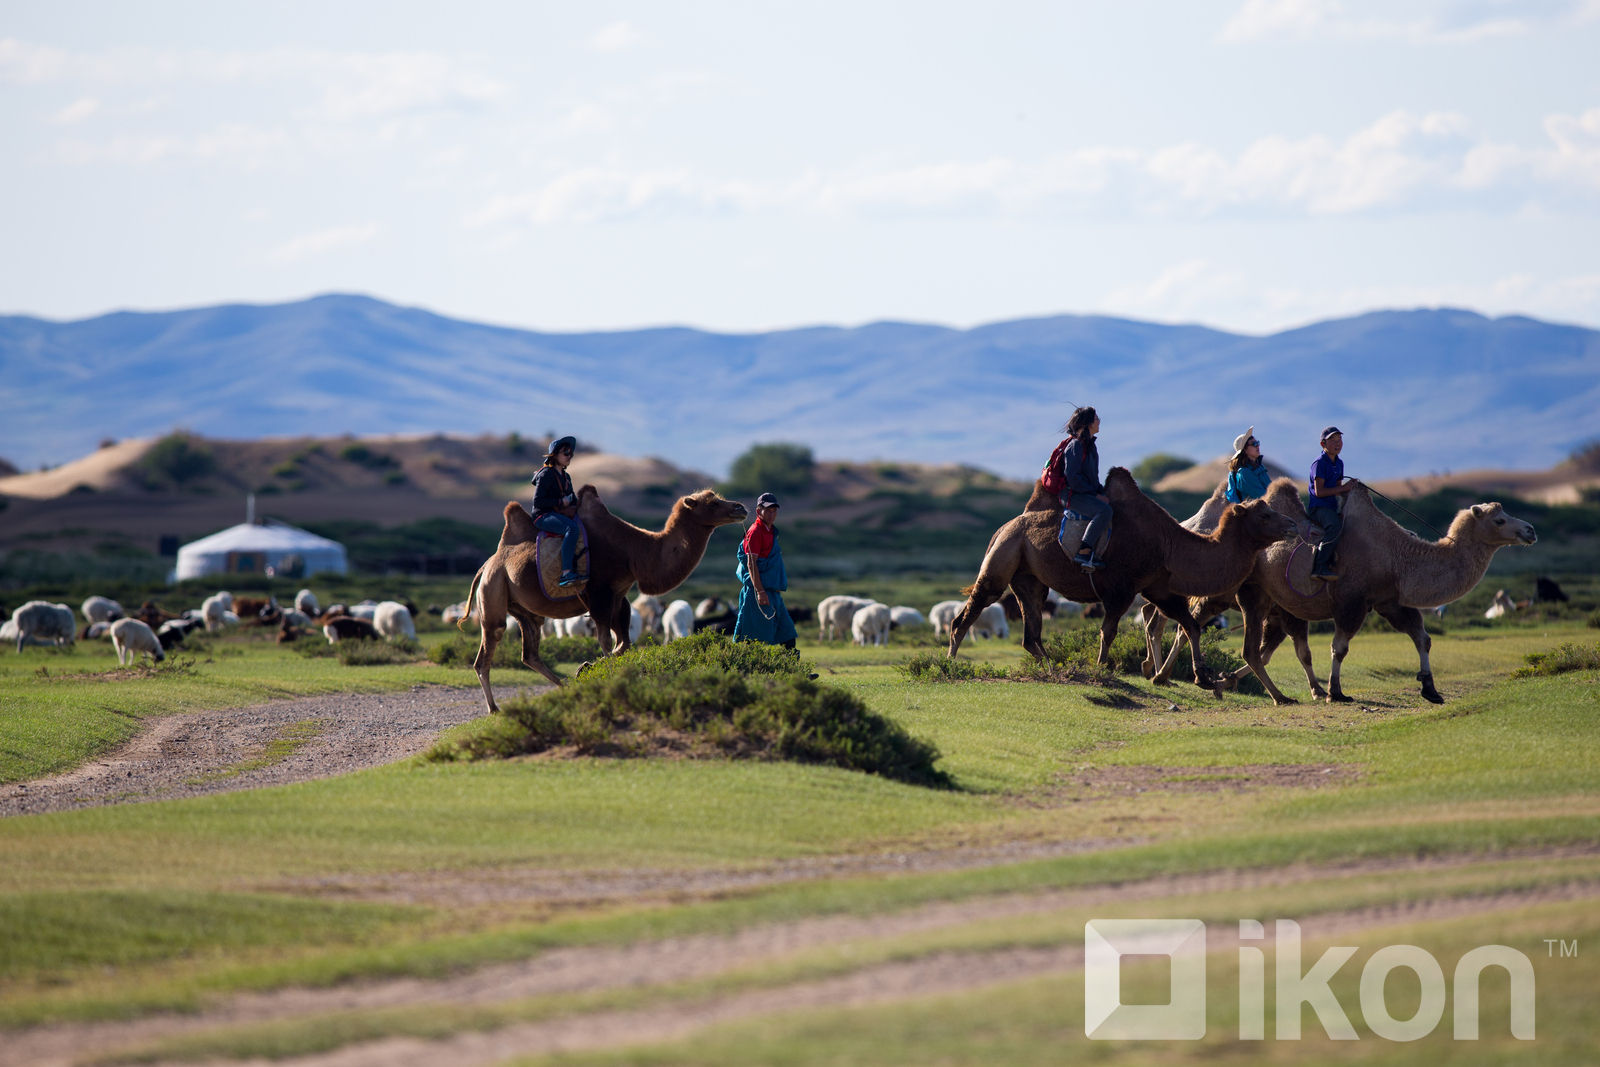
(248, 537)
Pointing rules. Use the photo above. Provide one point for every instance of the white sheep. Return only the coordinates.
(393, 619)
(295, 617)
(367, 609)
(215, 610)
(904, 616)
(97, 631)
(39, 621)
(454, 613)
(306, 601)
(650, 607)
(1503, 605)
(678, 620)
(635, 625)
(577, 626)
(133, 638)
(942, 614)
(834, 614)
(102, 609)
(992, 623)
(870, 625)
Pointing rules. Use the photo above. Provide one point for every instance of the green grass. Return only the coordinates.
(1506, 764)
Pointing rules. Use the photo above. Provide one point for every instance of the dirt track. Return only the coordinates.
(251, 747)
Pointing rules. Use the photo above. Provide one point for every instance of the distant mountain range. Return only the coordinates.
(1415, 391)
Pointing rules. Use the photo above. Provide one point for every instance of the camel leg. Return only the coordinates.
(621, 618)
(1255, 606)
(1176, 608)
(1155, 625)
(1116, 604)
(990, 586)
(1030, 597)
(1347, 620)
(1409, 622)
(532, 633)
(1300, 631)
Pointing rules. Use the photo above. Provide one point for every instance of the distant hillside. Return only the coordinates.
(1413, 390)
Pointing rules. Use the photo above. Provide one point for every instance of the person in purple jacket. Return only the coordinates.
(1328, 484)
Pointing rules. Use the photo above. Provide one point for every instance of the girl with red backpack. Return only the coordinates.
(1076, 476)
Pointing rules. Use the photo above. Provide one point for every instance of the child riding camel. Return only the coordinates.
(555, 505)
(1248, 476)
(1328, 484)
(1084, 492)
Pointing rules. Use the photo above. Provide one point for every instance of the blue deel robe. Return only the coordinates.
(750, 624)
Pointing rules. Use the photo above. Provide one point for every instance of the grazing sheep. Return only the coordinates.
(391, 619)
(834, 614)
(172, 633)
(548, 629)
(215, 609)
(306, 601)
(253, 607)
(870, 625)
(133, 638)
(288, 633)
(650, 607)
(635, 626)
(95, 631)
(454, 613)
(992, 623)
(942, 613)
(711, 605)
(348, 628)
(1546, 590)
(678, 620)
(904, 616)
(1503, 605)
(364, 610)
(577, 626)
(294, 618)
(151, 615)
(102, 609)
(39, 621)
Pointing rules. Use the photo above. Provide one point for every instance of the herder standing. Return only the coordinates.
(762, 580)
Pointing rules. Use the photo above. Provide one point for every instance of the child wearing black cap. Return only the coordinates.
(762, 579)
(555, 505)
(1327, 485)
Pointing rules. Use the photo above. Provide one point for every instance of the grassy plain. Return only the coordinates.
(121, 911)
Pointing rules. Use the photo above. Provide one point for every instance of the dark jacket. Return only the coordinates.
(1082, 467)
(551, 487)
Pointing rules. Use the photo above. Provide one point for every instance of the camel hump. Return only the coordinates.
(519, 525)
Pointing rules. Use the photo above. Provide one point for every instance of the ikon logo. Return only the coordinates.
(1183, 1016)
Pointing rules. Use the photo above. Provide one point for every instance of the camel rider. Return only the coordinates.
(762, 579)
(555, 505)
(1084, 492)
(1248, 476)
(1328, 484)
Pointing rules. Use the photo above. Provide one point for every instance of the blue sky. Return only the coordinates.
(1249, 164)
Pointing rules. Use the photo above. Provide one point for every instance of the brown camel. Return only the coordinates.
(1382, 567)
(620, 554)
(1149, 553)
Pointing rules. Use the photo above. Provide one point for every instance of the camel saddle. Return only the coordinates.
(547, 549)
(1070, 536)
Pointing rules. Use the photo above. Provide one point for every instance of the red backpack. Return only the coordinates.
(1054, 478)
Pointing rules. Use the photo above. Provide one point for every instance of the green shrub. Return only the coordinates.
(1594, 619)
(1151, 469)
(367, 457)
(781, 468)
(176, 460)
(568, 649)
(1080, 646)
(938, 667)
(705, 696)
(315, 646)
(1561, 659)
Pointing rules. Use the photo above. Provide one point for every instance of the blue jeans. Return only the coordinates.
(1099, 513)
(553, 522)
(1331, 523)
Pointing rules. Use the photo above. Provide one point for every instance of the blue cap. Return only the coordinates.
(1329, 432)
(766, 500)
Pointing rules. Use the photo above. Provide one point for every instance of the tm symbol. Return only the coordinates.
(1566, 949)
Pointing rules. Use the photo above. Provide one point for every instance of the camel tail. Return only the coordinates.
(967, 591)
(472, 594)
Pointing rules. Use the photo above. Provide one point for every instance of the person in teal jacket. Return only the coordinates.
(762, 580)
(1248, 476)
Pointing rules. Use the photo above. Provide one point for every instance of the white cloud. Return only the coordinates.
(237, 144)
(617, 37)
(1187, 290)
(1440, 22)
(312, 245)
(77, 111)
(1399, 162)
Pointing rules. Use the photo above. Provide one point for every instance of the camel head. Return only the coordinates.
(1261, 524)
(707, 508)
(1042, 499)
(1490, 525)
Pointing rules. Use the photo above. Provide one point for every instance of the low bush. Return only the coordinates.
(705, 696)
(376, 653)
(1561, 659)
(459, 650)
(1594, 619)
(938, 667)
(1080, 646)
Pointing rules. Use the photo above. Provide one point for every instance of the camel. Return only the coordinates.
(1149, 553)
(1382, 567)
(620, 554)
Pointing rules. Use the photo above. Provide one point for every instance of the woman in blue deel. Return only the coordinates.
(762, 580)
